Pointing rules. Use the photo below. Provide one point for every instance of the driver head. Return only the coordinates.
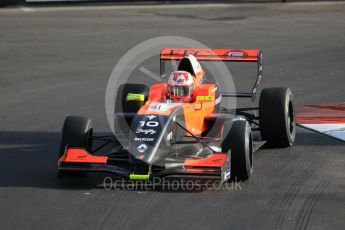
(181, 86)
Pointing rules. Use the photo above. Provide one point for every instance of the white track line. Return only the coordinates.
(166, 6)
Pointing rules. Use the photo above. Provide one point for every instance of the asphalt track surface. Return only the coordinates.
(56, 62)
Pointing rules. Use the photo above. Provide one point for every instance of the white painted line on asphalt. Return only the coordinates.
(122, 7)
(322, 3)
(26, 9)
(166, 6)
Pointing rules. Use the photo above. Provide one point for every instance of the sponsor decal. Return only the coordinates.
(169, 136)
(162, 106)
(235, 54)
(146, 131)
(181, 78)
(144, 139)
(155, 107)
(180, 81)
(135, 97)
(142, 148)
(79, 158)
(204, 98)
(150, 117)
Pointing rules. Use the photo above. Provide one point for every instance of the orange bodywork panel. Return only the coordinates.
(195, 115)
(158, 92)
(211, 54)
(78, 155)
(194, 112)
(215, 160)
(198, 170)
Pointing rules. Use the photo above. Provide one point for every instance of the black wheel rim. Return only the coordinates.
(290, 118)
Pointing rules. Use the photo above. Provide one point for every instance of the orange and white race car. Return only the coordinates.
(179, 127)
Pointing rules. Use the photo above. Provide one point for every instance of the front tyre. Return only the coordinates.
(76, 133)
(277, 117)
(239, 142)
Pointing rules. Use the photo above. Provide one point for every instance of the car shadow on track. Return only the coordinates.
(29, 159)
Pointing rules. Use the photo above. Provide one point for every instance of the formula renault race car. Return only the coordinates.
(162, 137)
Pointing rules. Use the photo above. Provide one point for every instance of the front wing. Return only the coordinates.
(216, 166)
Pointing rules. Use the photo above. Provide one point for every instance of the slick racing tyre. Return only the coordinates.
(239, 142)
(277, 117)
(76, 132)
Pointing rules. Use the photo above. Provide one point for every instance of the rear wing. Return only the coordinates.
(228, 55)
(211, 54)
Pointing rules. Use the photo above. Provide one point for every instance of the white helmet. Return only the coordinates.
(181, 86)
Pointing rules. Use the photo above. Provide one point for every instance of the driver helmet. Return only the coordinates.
(181, 86)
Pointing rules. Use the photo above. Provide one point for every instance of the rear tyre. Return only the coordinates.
(277, 117)
(239, 142)
(76, 133)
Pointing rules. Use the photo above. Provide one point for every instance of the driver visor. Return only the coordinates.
(180, 91)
